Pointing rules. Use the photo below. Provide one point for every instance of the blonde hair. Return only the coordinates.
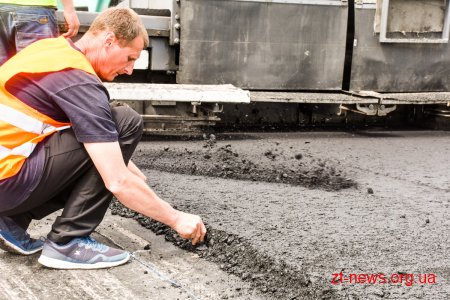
(123, 22)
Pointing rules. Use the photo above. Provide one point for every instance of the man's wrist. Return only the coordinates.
(174, 218)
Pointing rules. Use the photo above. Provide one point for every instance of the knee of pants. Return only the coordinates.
(128, 121)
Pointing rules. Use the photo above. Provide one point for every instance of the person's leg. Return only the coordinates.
(23, 25)
(7, 44)
(89, 199)
(32, 24)
(70, 181)
(85, 208)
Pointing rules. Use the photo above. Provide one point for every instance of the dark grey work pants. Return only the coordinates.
(71, 181)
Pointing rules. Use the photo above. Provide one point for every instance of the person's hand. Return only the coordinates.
(73, 24)
(190, 227)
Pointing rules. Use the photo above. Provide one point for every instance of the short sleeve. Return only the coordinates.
(86, 105)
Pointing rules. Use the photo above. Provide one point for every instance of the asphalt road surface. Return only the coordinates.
(318, 215)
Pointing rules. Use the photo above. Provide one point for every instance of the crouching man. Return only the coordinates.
(62, 146)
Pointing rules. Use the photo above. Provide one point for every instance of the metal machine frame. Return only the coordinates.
(176, 49)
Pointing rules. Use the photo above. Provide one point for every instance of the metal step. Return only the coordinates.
(225, 93)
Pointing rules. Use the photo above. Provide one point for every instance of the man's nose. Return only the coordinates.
(129, 68)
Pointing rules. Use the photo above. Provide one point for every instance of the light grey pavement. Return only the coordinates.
(163, 272)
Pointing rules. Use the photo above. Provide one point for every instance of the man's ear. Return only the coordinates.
(110, 38)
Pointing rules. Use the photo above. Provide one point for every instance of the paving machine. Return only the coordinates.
(287, 62)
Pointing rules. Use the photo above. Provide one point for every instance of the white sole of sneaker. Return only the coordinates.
(60, 264)
(11, 248)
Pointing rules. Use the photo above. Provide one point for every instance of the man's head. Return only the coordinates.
(114, 42)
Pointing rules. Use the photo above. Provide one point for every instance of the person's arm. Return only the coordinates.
(134, 193)
(135, 170)
(71, 18)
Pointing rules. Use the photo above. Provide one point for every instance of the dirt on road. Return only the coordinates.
(275, 164)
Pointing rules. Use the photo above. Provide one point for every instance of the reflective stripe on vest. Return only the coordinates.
(21, 126)
(50, 3)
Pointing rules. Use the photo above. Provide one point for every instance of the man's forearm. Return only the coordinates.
(137, 195)
(135, 170)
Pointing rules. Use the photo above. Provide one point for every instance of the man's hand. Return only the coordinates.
(190, 227)
(70, 15)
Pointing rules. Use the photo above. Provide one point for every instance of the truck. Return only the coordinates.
(288, 62)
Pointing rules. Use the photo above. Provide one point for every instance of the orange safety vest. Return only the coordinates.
(21, 126)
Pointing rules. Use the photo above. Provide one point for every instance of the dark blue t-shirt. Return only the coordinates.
(67, 96)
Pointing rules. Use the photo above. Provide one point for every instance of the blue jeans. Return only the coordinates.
(23, 25)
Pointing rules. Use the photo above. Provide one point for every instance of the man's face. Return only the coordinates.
(116, 59)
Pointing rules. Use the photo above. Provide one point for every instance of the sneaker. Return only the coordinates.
(81, 253)
(15, 239)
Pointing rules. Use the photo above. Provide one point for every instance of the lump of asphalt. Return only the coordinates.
(202, 247)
